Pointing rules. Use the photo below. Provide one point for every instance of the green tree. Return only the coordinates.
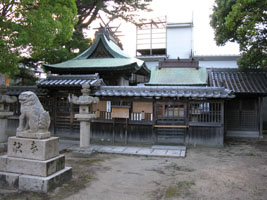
(38, 31)
(88, 11)
(244, 22)
(28, 28)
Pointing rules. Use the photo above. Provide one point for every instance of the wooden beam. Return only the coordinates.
(169, 126)
(174, 63)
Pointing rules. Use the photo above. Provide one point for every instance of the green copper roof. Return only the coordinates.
(110, 46)
(178, 76)
(98, 63)
(114, 59)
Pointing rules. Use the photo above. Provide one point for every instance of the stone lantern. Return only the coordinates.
(85, 116)
(5, 100)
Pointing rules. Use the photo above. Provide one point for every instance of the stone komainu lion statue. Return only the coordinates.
(33, 117)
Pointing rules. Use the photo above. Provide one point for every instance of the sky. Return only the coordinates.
(176, 11)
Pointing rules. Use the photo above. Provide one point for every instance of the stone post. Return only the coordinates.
(85, 116)
(5, 100)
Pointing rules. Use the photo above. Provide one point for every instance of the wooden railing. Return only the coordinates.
(103, 115)
(141, 117)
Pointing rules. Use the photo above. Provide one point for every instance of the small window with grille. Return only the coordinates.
(206, 112)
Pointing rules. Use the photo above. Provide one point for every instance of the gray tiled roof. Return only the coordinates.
(165, 91)
(16, 90)
(250, 82)
(70, 81)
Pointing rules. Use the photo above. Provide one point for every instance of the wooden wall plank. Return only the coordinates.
(140, 106)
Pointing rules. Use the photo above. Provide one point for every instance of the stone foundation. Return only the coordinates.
(33, 165)
(44, 184)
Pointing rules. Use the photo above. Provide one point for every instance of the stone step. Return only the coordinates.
(44, 184)
(32, 167)
(35, 183)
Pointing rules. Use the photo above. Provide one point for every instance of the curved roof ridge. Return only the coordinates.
(110, 46)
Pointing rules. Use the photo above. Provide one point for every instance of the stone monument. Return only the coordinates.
(33, 162)
(5, 100)
(85, 116)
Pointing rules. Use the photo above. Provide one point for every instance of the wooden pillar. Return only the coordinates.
(222, 121)
(113, 132)
(186, 115)
(260, 107)
(71, 117)
(126, 132)
(154, 132)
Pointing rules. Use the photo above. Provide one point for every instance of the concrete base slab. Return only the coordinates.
(169, 147)
(173, 153)
(44, 184)
(159, 152)
(32, 167)
(183, 153)
(144, 151)
(118, 149)
(131, 150)
(141, 151)
(105, 149)
(33, 148)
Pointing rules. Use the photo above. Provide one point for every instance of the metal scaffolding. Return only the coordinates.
(151, 37)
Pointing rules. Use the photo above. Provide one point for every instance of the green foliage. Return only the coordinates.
(244, 22)
(25, 74)
(51, 31)
(88, 10)
(29, 27)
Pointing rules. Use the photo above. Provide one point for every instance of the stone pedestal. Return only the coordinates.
(33, 165)
(33, 148)
(85, 128)
(32, 162)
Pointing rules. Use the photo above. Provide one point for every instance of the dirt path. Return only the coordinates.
(237, 171)
(233, 172)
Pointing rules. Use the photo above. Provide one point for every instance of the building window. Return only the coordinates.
(206, 112)
(174, 111)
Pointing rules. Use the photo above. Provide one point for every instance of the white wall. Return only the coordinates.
(179, 42)
(218, 64)
(151, 64)
(207, 64)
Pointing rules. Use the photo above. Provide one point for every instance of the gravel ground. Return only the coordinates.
(237, 171)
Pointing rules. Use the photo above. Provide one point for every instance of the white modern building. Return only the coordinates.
(158, 39)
